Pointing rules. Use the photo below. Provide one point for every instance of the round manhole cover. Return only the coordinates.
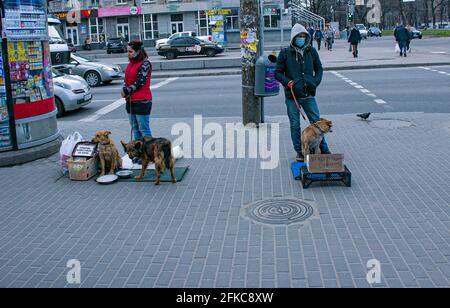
(390, 123)
(279, 211)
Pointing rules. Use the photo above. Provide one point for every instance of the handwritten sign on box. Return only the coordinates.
(84, 149)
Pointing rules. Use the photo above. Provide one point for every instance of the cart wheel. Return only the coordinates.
(348, 180)
(304, 181)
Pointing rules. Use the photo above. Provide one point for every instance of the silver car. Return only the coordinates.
(71, 92)
(94, 72)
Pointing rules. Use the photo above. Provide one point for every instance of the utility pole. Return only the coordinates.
(251, 37)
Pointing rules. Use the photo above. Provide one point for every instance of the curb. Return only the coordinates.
(238, 71)
(12, 158)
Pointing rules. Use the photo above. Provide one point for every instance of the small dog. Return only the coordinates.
(156, 150)
(108, 153)
(312, 136)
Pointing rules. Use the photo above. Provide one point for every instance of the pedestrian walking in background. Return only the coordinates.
(299, 66)
(354, 40)
(318, 36)
(137, 91)
(311, 31)
(411, 36)
(402, 38)
(329, 38)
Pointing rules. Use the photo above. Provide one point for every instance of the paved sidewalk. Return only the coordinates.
(192, 234)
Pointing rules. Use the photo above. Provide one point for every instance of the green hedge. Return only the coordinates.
(429, 32)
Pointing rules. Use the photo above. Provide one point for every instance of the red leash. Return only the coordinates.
(295, 100)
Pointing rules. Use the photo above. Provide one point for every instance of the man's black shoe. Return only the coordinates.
(300, 157)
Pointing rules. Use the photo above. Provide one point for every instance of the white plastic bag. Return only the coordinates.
(67, 146)
(397, 48)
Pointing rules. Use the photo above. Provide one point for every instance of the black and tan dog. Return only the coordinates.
(107, 152)
(156, 150)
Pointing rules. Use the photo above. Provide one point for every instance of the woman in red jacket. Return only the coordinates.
(137, 91)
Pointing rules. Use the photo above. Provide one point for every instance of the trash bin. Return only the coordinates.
(265, 82)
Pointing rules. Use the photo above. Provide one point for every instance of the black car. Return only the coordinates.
(188, 46)
(374, 31)
(116, 44)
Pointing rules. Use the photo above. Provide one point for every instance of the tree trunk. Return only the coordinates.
(250, 27)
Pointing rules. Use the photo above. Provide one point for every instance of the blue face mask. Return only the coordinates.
(300, 41)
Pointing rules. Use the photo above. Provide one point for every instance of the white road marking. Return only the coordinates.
(101, 100)
(363, 90)
(436, 71)
(111, 107)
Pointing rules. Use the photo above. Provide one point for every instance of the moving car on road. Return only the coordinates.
(71, 92)
(416, 33)
(94, 72)
(374, 31)
(182, 34)
(188, 46)
(362, 30)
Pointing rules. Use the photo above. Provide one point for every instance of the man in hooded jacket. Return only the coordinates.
(299, 67)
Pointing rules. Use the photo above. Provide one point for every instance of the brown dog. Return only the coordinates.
(312, 136)
(107, 151)
(156, 150)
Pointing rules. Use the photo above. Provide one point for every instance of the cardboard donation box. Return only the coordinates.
(84, 162)
(325, 163)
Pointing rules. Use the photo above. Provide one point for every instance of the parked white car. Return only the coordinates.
(185, 33)
(71, 92)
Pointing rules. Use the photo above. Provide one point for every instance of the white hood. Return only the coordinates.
(297, 29)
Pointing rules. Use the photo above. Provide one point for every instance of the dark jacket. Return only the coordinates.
(305, 70)
(402, 34)
(318, 35)
(355, 37)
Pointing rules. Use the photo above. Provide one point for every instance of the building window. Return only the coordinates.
(176, 17)
(94, 3)
(148, 1)
(121, 1)
(96, 30)
(201, 21)
(270, 18)
(150, 25)
(233, 20)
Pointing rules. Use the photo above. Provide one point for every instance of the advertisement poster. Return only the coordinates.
(25, 20)
(30, 81)
(4, 117)
(218, 28)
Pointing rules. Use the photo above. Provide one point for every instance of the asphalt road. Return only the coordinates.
(393, 90)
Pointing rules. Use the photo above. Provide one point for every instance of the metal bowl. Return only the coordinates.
(124, 174)
(107, 179)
